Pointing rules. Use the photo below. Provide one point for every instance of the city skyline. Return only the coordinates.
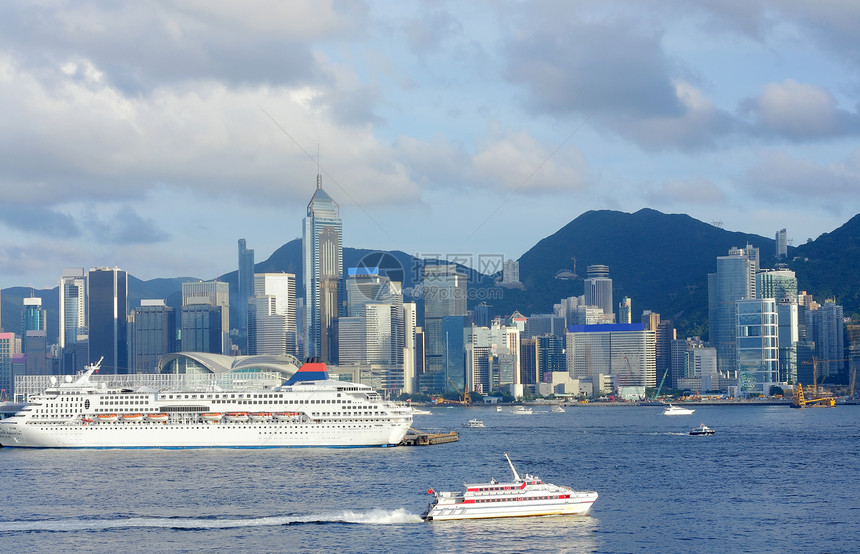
(152, 137)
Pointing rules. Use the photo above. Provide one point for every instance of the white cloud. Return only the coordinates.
(799, 111)
(783, 179)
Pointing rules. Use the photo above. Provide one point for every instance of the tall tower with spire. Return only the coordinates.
(322, 250)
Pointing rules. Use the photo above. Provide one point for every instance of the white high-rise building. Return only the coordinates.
(73, 306)
(211, 293)
(322, 249)
(598, 288)
(781, 244)
(272, 314)
(482, 343)
(410, 324)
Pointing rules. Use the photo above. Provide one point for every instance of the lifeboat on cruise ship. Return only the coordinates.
(236, 416)
(286, 416)
(261, 416)
(157, 417)
(106, 417)
(132, 417)
(211, 416)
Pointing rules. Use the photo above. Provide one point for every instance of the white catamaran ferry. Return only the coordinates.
(524, 496)
(308, 410)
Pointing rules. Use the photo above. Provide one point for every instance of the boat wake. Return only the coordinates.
(372, 517)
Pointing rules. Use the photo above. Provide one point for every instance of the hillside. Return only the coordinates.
(661, 261)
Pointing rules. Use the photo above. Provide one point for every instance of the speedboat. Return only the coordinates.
(677, 410)
(557, 409)
(498, 408)
(523, 496)
(475, 423)
(521, 410)
(702, 429)
(418, 411)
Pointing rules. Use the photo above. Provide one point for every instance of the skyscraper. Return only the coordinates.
(245, 290)
(828, 330)
(757, 344)
(734, 280)
(598, 288)
(107, 307)
(444, 296)
(322, 249)
(33, 318)
(781, 244)
(153, 334)
(272, 316)
(73, 305)
(625, 310)
(207, 293)
(779, 284)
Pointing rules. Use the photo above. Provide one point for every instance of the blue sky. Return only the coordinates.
(153, 135)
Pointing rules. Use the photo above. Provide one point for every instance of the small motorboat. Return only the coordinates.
(211, 416)
(419, 411)
(106, 417)
(161, 418)
(677, 410)
(556, 408)
(702, 429)
(475, 423)
(498, 408)
(261, 416)
(521, 410)
(287, 416)
(132, 417)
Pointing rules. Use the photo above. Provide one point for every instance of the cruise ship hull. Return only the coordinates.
(198, 435)
(309, 410)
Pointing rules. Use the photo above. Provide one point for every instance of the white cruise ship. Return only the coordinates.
(524, 496)
(308, 410)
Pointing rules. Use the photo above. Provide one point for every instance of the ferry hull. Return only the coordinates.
(574, 507)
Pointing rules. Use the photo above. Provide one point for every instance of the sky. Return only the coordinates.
(151, 136)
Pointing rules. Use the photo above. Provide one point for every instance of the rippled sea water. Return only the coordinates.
(771, 479)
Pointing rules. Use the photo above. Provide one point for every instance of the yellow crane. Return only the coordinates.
(814, 364)
(801, 402)
(466, 398)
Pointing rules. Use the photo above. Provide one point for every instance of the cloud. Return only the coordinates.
(515, 161)
(830, 25)
(124, 227)
(508, 161)
(798, 112)
(692, 191)
(699, 125)
(38, 220)
(84, 140)
(569, 66)
(146, 45)
(782, 179)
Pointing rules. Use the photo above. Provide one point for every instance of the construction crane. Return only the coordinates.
(853, 377)
(663, 380)
(814, 364)
(801, 402)
(466, 398)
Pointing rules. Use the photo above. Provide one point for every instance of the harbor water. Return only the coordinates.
(771, 479)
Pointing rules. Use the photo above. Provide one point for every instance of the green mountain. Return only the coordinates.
(829, 266)
(661, 261)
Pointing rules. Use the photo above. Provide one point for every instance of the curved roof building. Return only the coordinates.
(204, 363)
